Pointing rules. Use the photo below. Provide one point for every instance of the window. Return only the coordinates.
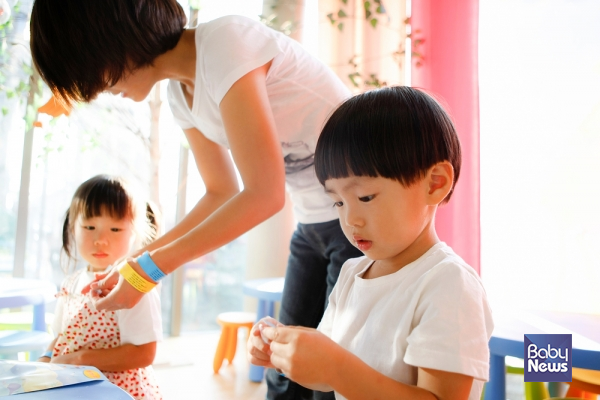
(111, 135)
(540, 150)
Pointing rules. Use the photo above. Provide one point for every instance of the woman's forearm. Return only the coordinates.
(237, 216)
(205, 207)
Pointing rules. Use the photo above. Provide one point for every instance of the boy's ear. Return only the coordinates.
(440, 179)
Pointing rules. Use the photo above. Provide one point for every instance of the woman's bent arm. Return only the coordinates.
(252, 137)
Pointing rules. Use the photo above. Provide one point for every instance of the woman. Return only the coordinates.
(234, 85)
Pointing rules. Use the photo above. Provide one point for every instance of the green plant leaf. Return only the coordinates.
(368, 14)
(331, 19)
(374, 22)
(341, 26)
(353, 77)
(342, 14)
(4, 111)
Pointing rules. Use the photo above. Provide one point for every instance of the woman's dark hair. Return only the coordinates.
(107, 194)
(82, 47)
(396, 132)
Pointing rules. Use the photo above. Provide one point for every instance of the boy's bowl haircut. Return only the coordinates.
(395, 132)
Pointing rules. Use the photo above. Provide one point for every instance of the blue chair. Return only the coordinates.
(267, 291)
(14, 342)
(18, 292)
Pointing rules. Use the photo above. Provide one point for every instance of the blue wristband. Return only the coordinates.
(47, 354)
(149, 267)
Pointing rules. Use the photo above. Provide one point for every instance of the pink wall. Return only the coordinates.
(449, 72)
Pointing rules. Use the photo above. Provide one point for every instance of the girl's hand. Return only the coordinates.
(123, 295)
(259, 352)
(304, 355)
(70, 358)
(44, 359)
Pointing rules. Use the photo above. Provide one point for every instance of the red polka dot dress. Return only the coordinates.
(85, 328)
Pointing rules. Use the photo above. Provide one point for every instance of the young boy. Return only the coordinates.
(410, 319)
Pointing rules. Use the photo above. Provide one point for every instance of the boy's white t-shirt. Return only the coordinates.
(138, 325)
(302, 92)
(433, 313)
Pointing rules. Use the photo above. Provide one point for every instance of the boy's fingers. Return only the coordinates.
(279, 334)
(259, 355)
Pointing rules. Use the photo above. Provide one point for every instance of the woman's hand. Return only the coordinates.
(122, 295)
(103, 283)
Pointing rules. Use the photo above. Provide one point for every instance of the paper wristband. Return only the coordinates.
(136, 279)
(149, 267)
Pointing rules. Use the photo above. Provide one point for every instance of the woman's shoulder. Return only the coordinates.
(229, 22)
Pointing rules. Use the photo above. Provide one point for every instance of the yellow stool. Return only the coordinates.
(230, 323)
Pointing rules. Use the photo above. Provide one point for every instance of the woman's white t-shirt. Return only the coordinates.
(302, 92)
(433, 313)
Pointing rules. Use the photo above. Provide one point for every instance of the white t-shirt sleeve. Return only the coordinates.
(143, 323)
(449, 320)
(59, 311)
(231, 49)
(58, 316)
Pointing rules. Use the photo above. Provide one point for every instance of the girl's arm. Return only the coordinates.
(252, 136)
(311, 359)
(121, 358)
(49, 348)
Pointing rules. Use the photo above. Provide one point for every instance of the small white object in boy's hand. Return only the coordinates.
(262, 335)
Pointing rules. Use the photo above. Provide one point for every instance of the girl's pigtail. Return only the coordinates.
(152, 218)
(66, 245)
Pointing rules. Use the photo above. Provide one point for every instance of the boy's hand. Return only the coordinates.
(258, 349)
(44, 359)
(304, 355)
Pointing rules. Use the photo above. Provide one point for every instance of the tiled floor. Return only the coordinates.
(183, 366)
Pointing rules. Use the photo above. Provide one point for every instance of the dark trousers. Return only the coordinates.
(317, 253)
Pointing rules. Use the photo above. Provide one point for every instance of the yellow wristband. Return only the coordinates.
(136, 279)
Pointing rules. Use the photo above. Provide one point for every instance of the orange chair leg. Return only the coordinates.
(576, 392)
(221, 349)
(231, 345)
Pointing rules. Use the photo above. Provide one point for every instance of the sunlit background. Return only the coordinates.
(540, 146)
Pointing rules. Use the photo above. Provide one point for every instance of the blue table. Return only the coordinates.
(508, 340)
(19, 292)
(95, 390)
(267, 291)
